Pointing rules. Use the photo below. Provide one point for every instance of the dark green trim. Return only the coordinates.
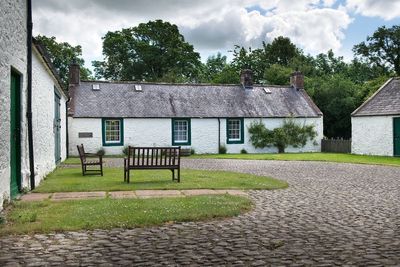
(189, 142)
(396, 137)
(121, 131)
(241, 141)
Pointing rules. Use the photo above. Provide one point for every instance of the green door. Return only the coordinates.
(396, 136)
(15, 134)
(57, 127)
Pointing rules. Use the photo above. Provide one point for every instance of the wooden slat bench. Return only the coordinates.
(85, 162)
(156, 158)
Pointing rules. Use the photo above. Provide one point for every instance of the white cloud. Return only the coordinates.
(210, 25)
(386, 9)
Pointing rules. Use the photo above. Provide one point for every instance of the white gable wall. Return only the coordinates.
(157, 132)
(13, 53)
(372, 135)
(43, 86)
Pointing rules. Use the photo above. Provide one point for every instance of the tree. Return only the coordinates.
(337, 97)
(151, 51)
(289, 134)
(277, 75)
(280, 51)
(382, 48)
(62, 54)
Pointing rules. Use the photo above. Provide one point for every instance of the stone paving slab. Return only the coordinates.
(122, 194)
(158, 193)
(78, 195)
(36, 196)
(197, 192)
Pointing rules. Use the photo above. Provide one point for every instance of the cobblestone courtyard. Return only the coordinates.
(331, 214)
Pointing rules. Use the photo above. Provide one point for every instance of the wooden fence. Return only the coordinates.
(336, 145)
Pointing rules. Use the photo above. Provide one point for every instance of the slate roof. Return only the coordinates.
(119, 99)
(386, 101)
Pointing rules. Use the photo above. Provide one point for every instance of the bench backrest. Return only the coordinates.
(81, 151)
(154, 156)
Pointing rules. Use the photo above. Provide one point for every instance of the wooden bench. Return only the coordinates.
(85, 162)
(156, 158)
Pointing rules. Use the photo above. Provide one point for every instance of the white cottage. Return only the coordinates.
(376, 123)
(42, 94)
(203, 117)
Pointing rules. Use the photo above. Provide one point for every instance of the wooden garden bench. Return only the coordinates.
(85, 162)
(155, 158)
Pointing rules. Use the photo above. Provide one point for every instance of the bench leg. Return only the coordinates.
(173, 174)
(128, 177)
(101, 169)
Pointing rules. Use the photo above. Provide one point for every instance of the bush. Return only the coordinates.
(101, 152)
(243, 151)
(222, 149)
(289, 134)
(192, 151)
(125, 150)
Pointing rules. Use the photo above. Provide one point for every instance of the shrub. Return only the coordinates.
(243, 151)
(289, 134)
(125, 150)
(101, 152)
(192, 151)
(222, 149)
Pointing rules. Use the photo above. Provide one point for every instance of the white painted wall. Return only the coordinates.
(12, 55)
(372, 135)
(43, 86)
(157, 132)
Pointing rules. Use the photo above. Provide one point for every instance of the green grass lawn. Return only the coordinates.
(71, 180)
(329, 157)
(46, 216)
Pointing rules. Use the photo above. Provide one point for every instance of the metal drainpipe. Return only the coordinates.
(29, 89)
(66, 125)
(219, 135)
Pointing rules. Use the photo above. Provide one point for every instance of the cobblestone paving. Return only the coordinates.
(332, 214)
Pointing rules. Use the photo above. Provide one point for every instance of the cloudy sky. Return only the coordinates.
(217, 25)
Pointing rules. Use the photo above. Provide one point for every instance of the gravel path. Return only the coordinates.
(332, 214)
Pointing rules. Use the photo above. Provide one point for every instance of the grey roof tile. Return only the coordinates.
(386, 101)
(119, 99)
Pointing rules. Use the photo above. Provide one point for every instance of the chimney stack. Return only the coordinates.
(74, 74)
(246, 78)
(297, 80)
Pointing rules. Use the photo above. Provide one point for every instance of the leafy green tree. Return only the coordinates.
(281, 51)
(382, 48)
(337, 97)
(290, 134)
(152, 51)
(62, 54)
(277, 75)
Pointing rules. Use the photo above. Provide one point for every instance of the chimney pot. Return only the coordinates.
(246, 78)
(74, 73)
(297, 80)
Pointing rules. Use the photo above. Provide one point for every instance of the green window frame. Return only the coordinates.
(235, 131)
(112, 131)
(181, 132)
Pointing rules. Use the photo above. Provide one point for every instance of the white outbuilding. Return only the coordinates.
(202, 117)
(376, 123)
(44, 95)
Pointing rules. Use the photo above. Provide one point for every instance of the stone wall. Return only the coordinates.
(13, 53)
(157, 132)
(372, 135)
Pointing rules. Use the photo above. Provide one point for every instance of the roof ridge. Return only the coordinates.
(183, 84)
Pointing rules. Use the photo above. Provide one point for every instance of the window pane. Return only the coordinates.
(181, 131)
(112, 131)
(234, 129)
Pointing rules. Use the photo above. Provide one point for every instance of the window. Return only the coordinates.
(234, 131)
(181, 132)
(113, 132)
